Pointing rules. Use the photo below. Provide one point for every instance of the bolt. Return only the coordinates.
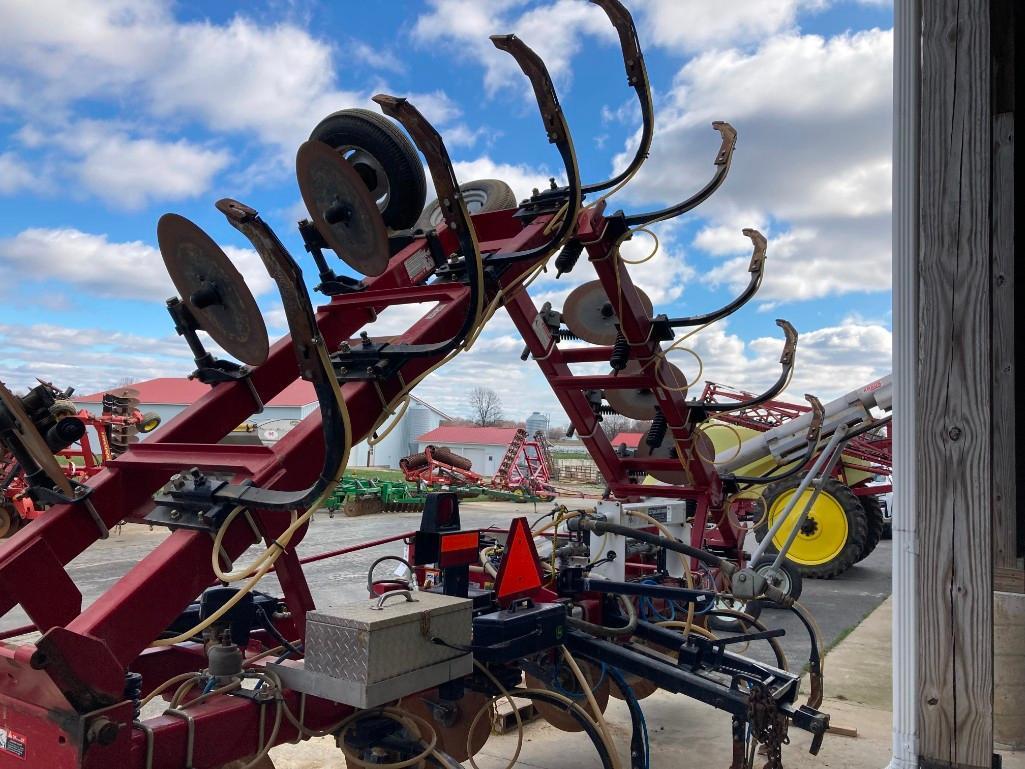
(175, 515)
(102, 731)
(177, 482)
(344, 347)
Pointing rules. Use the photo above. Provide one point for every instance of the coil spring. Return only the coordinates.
(567, 258)
(133, 692)
(620, 353)
(657, 431)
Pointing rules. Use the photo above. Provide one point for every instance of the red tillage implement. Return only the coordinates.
(70, 698)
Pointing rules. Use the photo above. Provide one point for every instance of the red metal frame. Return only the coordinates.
(56, 690)
(526, 466)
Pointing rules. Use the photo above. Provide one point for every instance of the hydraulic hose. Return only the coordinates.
(601, 527)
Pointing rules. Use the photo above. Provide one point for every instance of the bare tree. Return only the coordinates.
(613, 424)
(487, 407)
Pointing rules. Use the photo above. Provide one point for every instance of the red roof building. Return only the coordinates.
(483, 446)
(173, 391)
(469, 435)
(632, 440)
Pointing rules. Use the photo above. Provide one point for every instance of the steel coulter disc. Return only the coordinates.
(591, 315)
(557, 715)
(640, 404)
(342, 208)
(213, 289)
(701, 445)
(33, 442)
(451, 720)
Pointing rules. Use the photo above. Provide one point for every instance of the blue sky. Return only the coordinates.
(112, 113)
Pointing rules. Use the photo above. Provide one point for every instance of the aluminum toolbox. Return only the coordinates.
(370, 652)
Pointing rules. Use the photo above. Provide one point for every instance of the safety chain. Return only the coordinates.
(768, 725)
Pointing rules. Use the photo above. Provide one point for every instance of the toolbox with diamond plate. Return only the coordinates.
(370, 652)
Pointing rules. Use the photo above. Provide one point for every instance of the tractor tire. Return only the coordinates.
(833, 536)
(481, 196)
(384, 158)
(874, 518)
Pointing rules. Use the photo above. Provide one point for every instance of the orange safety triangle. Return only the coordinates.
(520, 570)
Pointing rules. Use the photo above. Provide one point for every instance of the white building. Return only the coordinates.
(169, 396)
(419, 418)
(484, 446)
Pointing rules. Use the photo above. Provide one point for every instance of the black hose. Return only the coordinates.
(268, 624)
(604, 630)
(578, 713)
(638, 736)
(601, 527)
(814, 657)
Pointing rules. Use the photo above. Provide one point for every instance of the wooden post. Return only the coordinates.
(1005, 492)
(954, 416)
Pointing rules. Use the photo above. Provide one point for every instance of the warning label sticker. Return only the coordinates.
(419, 264)
(12, 743)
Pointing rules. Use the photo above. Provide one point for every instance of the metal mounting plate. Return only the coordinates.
(641, 404)
(591, 315)
(213, 289)
(342, 209)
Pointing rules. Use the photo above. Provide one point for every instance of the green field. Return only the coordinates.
(379, 473)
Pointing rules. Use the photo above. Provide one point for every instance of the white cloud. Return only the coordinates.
(131, 173)
(94, 264)
(271, 81)
(685, 26)
(88, 359)
(555, 31)
(812, 165)
(830, 360)
(16, 175)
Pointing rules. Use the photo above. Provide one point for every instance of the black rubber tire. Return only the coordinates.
(794, 584)
(150, 421)
(392, 150)
(481, 195)
(857, 527)
(876, 526)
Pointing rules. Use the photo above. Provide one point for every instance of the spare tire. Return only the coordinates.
(481, 196)
(384, 158)
(833, 536)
